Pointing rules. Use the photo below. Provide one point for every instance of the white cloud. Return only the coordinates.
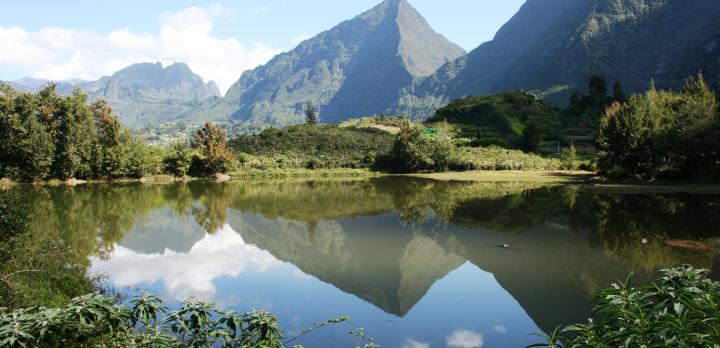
(411, 343)
(500, 329)
(223, 254)
(465, 339)
(185, 36)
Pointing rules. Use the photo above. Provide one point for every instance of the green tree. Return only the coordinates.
(36, 150)
(597, 87)
(661, 132)
(26, 149)
(211, 142)
(530, 141)
(569, 157)
(76, 137)
(618, 92)
(410, 150)
(111, 156)
(179, 160)
(415, 151)
(311, 114)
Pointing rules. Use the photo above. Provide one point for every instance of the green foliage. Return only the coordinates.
(34, 270)
(661, 132)
(215, 156)
(585, 109)
(47, 136)
(569, 157)
(95, 321)
(501, 119)
(311, 114)
(619, 92)
(681, 309)
(416, 151)
(530, 139)
(178, 160)
(497, 158)
(361, 340)
(315, 147)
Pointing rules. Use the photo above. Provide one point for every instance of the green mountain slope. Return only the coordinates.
(555, 45)
(503, 116)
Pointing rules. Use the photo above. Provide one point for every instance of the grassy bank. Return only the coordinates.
(510, 176)
(302, 173)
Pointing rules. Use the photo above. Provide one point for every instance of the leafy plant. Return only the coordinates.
(681, 309)
(95, 321)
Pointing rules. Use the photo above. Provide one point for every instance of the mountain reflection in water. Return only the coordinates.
(413, 261)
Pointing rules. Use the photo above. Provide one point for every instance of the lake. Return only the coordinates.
(416, 263)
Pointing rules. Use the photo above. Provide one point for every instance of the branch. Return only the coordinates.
(6, 278)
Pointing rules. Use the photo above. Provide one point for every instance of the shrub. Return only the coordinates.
(415, 151)
(661, 131)
(681, 309)
(214, 155)
(319, 146)
(95, 321)
(179, 159)
(497, 158)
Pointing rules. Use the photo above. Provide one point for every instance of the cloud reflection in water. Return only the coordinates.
(222, 254)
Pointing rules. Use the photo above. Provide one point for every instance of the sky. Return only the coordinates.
(219, 39)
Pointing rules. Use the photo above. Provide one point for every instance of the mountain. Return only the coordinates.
(148, 94)
(356, 68)
(553, 46)
(143, 94)
(30, 84)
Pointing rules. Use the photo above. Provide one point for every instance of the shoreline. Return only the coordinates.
(536, 176)
(588, 180)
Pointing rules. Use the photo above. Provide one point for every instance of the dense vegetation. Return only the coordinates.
(45, 136)
(662, 134)
(312, 146)
(502, 118)
(36, 269)
(520, 120)
(96, 321)
(48, 136)
(390, 144)
(681, 309)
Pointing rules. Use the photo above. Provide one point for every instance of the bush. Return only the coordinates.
(415, 151)
(213, 154)
(497, 158)
(319, 146)
(95, 321)
(502, 119)
(661, 131)
(569, 156)
(681, 309)
(179, 159)
(34, 270)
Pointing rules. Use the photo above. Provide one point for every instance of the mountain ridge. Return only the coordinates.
(559, 44)
(143, 93)
(352, 69)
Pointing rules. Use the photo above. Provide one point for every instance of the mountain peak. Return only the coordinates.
(356, 68)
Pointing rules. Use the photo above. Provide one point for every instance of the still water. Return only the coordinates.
(416, 263)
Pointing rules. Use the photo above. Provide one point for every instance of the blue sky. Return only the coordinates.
(88, 39)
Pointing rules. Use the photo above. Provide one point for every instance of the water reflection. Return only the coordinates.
(416, 262)
(186, 274)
